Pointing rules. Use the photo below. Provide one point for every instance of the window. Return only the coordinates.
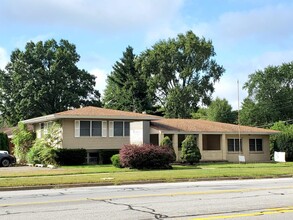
(126, 128)
(255, 144)
(118, 128)
(43, 129)
(233, 145)
(85, 128)
(96, 128)
(89, 128)
(211, 141)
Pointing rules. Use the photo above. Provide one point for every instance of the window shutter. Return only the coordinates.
(111, 128)
(77, 128)
(104, 128)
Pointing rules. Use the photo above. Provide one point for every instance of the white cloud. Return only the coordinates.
(3, 58)
(266, 23)
(101, 76)
(247, 41)
(227, 88)
(272, 58)
(239, 70)
(102, 15)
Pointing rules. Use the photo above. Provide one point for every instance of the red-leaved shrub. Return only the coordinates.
(146, 156)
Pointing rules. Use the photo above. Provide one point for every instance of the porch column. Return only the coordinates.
(161, 137)
(175, 145)
(224, 146)
(200, 142)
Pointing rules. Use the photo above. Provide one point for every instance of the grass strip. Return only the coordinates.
(108, 174)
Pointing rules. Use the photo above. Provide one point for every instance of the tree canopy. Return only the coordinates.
(220, 110)
(270, 95)
(181, 73)
(126, 87)
(282, 141)
(44, 79)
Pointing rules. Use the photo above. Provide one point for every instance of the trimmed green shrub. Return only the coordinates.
(168, 143)
(190, 151)
(115, 159)
(4, 143)
(146, 156)
(71, 156)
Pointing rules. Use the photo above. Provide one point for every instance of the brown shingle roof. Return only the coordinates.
(194, 125)
(95, 111)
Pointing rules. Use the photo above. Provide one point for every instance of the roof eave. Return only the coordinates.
(109, 117)
(214, 132)
(40, 119)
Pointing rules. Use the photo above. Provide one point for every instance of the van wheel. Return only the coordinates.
(5, 163)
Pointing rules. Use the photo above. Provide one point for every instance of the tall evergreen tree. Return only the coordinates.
(126, 87)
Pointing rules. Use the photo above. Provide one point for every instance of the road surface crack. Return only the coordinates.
(139, 209)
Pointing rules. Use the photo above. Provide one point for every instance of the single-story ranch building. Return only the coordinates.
(96, 129)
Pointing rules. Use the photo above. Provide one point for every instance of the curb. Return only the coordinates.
(59, 186)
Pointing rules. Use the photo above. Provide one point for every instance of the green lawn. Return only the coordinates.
(107, 174)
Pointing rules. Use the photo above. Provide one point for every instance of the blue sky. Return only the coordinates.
(247, 34)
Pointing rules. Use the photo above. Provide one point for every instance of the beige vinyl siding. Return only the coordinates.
(96, 142)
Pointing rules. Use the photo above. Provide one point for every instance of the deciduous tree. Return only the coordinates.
(270, 93)
(221, 111)
(284, 140)
(182, 73)
(44, 79)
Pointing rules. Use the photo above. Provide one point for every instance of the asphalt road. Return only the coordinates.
(239, 199)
